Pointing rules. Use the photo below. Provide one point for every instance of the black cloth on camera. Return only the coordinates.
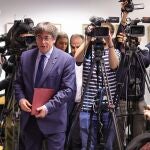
(132, 76)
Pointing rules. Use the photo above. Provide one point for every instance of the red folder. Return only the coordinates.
(40, 97)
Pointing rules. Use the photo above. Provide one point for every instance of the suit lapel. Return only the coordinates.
(52, 60)
(33, 62)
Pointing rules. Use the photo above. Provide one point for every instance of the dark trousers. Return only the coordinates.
(33, 138)
(134, 119)
(107, 130)
(75, 138)
(74, 132)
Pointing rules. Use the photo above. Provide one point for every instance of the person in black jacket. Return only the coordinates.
(131, 81)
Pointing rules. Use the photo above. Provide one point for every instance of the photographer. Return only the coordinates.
(132, 67)
(111, 60)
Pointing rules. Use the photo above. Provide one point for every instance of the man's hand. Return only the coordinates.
(147, 107)
(42, 112)
(121, 37)
(25, 105)
(147, 112)
(109, 41)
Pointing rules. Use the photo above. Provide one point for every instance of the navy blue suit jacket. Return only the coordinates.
(59, 74)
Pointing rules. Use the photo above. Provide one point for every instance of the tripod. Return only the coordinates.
(131, 82)
(103, 105)
(10, 113)
(88, 83)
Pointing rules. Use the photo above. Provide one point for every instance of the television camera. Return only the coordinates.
(129, 6)
(98, 30)
(133, 31)
(95, 29)
(19, 38)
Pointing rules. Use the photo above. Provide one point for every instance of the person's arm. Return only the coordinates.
(113, 57)
(81, 51)
(19, 90)
(120, 35)
(124, 18)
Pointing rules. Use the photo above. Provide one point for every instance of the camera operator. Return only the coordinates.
(120, 36)
(111, 60)
(132, 95)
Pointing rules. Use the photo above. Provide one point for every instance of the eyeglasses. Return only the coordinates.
(45, 38)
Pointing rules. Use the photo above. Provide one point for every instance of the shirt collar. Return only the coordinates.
(48, 54)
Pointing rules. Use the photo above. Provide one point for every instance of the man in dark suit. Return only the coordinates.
(58, 74)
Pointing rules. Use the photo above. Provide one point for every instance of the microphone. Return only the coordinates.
(96, 20)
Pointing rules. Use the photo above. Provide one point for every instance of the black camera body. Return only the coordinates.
(19, 38)
(135, 30)
(98, 32)
(3, 37)
(96, 29)
(129, 6)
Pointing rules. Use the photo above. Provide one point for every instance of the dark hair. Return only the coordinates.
(63, 35)
(46, 27)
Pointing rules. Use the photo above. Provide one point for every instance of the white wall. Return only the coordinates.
(71, 14)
